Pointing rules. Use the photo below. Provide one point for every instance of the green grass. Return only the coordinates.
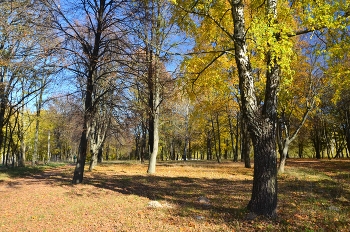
(20, 171)
(28, 170)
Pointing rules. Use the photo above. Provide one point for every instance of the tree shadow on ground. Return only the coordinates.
(227, 197)
(224, 199)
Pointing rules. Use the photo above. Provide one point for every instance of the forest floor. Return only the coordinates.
(314, 195)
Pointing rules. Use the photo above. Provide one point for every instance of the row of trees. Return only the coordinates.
(91, 79)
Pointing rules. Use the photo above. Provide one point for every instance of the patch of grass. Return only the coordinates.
(20, 171)
(54, 164)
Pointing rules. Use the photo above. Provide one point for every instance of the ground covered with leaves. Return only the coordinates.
(181, 196)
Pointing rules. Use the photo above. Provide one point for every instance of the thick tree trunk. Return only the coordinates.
(264, 195)
(79, 168)
(261, 121)
(88, 117)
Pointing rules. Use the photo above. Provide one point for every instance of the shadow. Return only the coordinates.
(227, 198)
(323, 165)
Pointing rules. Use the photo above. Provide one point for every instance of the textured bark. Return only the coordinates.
(79, 168)
(264, 194)
(261, 122)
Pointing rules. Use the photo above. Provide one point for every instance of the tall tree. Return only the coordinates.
(90, 32)
(20, 53)
(153, 27)
(271, 32)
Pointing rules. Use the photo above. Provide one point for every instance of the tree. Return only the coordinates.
(92, 34)
(152, 28)
(271, 34)
(297, 99)
(22, 50)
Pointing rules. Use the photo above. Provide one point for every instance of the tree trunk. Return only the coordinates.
(100, 155)
(154, 78)
(93, 161)
(283, 154)
(317, 142)
(36, 141)
(48, 147)
(107, 152)
(209, 152)
(21, 133)
(264, 195)
(261, 121)
(3, 107)
(219, 140)
(235, 155)
(300, 149)
(246, 145)
(185, 151)
(347, 130)
(99, 128)
(238, 137)
(214, 138)
(79, 168)
(37, 123)
(143, 143)
(153, 158)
